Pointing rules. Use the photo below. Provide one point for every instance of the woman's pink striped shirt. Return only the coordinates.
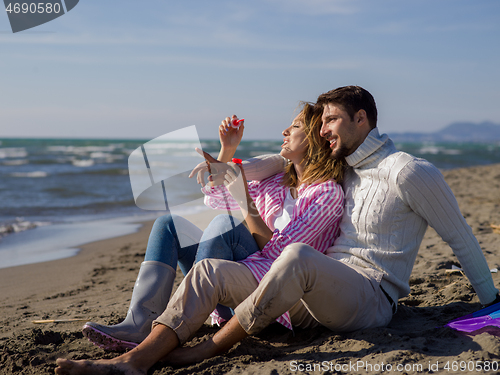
(315, 219)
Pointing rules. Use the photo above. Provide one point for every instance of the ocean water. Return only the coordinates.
(57, 194)
(454, 155)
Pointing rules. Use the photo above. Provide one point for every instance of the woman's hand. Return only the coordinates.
(230, 138)
(200, 171)
(216, 169)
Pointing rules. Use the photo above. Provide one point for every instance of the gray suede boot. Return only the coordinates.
(149, 298)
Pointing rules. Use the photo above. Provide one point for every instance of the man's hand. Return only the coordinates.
(237, 186)
(496, 300)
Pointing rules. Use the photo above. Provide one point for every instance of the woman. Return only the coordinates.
(288, 204)
(287, 213)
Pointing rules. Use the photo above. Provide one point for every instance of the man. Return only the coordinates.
(391, 197)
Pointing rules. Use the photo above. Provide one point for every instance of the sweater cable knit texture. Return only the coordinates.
(391, 197)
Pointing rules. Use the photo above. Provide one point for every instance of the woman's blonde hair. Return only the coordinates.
(319, 166)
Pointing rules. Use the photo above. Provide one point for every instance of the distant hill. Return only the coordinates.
(484, 132)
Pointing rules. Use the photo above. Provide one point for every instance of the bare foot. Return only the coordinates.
(220, 343)
(101, 367)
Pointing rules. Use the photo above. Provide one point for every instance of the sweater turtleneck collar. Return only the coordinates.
(370, 150)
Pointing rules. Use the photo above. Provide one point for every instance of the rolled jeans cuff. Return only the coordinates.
(251, 319)
(178, 324)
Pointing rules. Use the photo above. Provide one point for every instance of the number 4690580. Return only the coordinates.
(33, 8)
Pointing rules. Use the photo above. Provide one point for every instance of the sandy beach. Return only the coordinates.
(97, 283)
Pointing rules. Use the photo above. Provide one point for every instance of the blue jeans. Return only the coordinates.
(174, 240)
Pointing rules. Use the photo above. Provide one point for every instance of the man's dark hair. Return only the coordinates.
(352, 99)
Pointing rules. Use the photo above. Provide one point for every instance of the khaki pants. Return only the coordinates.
(314, 288)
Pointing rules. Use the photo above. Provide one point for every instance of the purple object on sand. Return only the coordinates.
(487, 317)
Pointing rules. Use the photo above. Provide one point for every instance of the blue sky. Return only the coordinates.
(140, 69)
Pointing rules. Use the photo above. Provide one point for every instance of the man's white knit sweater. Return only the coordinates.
(390, 198)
